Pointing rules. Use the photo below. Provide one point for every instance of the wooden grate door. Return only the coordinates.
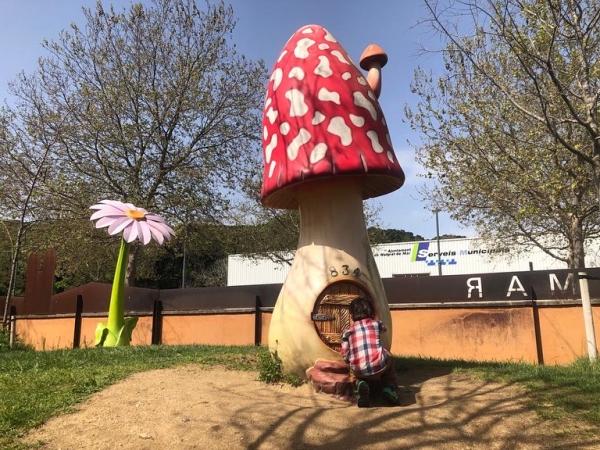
(331, 314)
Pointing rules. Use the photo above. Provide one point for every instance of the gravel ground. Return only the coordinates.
(196, 408)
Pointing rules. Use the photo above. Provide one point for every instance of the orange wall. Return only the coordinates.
(227, 329)
(462, 333)
(476, 334)
(264, 335)
(46, 334)
(563, 333)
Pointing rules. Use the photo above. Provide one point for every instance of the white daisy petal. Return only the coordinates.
(155, 218)
(108, 211)
(105, 222)
(157, 235)
(146, 235)
(119, 225)
(161, 228)
(140, 232)
(115, 203)
(133, 233)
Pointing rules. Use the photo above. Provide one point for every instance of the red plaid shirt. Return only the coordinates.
(362, 349)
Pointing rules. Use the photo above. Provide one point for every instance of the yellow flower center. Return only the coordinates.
(135, 214)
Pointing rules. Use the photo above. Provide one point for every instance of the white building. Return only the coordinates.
(457, 256)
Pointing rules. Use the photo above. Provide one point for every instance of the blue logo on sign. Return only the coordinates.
(420, 251)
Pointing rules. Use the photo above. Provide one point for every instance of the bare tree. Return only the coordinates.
(150, 105)
(511, 127)
(24, 163)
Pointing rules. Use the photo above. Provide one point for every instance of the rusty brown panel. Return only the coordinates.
(17, 302)
(96, 298)
(39, 282)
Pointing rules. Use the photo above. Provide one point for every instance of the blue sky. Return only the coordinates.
(263, 27)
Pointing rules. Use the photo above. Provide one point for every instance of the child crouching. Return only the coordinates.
(364, 353)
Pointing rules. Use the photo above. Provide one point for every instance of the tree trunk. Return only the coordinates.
(576, 245)
(131, 265)
(13, 273)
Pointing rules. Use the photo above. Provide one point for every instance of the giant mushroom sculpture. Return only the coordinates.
(326, 149)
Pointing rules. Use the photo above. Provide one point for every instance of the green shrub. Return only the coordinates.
(270, 370)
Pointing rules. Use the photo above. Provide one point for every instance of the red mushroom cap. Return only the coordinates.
(321, 120)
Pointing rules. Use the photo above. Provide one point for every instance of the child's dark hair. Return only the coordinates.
(361, 308)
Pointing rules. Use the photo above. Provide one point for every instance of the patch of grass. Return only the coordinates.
(37, 385)
(555, 391)
(5, 342)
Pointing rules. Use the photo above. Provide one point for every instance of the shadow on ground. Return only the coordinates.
(439, 409)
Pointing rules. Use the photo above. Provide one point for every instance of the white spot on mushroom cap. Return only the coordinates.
(307, 31)
(297, 105)
(371, 94)
(318, 153)
(270, 147)
(268, 102)
(323, 46)
(283, 53)
(328, 96)
(318, 118)
(284, 128)
(357, 120)
(276, 77)
(372, 135)
(363, 102)
(346, 76)
(272, 168)
(339, 56)
(361, 80)
(297, 73)
(323, 68)
(302, 138)
(265, 133)
(302, 46)
(272, 114)
(338, 127)
(329, 37)
(390, 156)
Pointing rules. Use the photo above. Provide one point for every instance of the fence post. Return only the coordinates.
(12, 334)
(257, 321)
(588, 318)
(157, 322)
(537, 333)
(77, 327)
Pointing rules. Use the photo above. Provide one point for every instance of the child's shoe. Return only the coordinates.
(362, 389)
(390, 395)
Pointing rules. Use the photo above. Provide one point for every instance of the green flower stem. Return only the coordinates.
(116, 310)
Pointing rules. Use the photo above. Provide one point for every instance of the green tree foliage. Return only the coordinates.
(389, 235)
(510, 129)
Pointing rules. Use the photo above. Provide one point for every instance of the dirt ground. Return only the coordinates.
(195, 408)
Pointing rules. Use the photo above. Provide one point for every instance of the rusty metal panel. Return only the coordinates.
(39, 281)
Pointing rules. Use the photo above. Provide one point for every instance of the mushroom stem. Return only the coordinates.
(333, 244)
(374, 78)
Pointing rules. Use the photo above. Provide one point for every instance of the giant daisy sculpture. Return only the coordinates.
(134, 223)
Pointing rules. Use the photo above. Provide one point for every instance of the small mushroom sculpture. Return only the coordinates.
(326, 149)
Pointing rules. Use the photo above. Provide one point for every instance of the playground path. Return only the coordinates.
(195, 408)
